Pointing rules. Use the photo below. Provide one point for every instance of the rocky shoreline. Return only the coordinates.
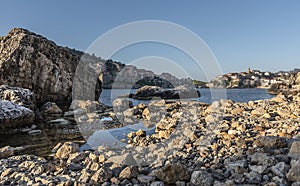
(225, 143)
(186, 142)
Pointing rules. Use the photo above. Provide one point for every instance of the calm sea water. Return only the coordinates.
(207, 95)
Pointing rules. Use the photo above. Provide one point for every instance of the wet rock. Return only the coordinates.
(50, 110)
(172, 173)
(60, 121)
(201, 178)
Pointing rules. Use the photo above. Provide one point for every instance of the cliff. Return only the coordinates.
(31, 61)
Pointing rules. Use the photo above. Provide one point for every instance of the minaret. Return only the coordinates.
(249, 70)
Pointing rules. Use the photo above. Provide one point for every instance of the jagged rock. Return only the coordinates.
(201, 178)
(20, 96)
(102, 175)
(129, 172)
(66, 149)
(271, 142)
(13, 116)
(50, 110)
(294, 173)
(88, 105)
(295, 150)
(31, 61)
(157, 183)
(187, 92)
(124, 159)
(6, 151)
(121, 104)
(172, 173)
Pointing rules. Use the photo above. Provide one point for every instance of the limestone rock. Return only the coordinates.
(295, 150)
(129, 172)
(172, 173)
(66, 149)
(12, 115)
(6, 151)
(50, 110)
(124, 159)
(149, 92)
(294, 172)
(201, 178)
(31, 61)
(20, 96)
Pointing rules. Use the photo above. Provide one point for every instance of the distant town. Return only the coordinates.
(252, 79)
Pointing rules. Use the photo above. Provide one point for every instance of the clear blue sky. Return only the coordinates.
(264, 35)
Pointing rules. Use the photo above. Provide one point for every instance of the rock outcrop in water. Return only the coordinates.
(179, 92)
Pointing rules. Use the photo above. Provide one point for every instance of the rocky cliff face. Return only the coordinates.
(31, 61)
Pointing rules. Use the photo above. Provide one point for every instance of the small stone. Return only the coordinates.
(172, 173)
(164, 134)
(201, 178)
(157, 183)
(125, 159)
(294, 152)
(294, 172)
(66, 149)
(102, 175)
(129, 172)
(6, 152)
(141, 133)
(131, 135)
(254, 177)
(145, 179)
(6, 172)
(101, 158)
(75, 167)
(280, 169)
(76, 157)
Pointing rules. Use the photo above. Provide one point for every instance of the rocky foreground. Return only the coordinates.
(225, 143)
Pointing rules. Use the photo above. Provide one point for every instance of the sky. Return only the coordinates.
(263, 35)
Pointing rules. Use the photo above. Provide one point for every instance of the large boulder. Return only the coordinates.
(31, 61)
(13, 115)
(187, 92)
(20, 96)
